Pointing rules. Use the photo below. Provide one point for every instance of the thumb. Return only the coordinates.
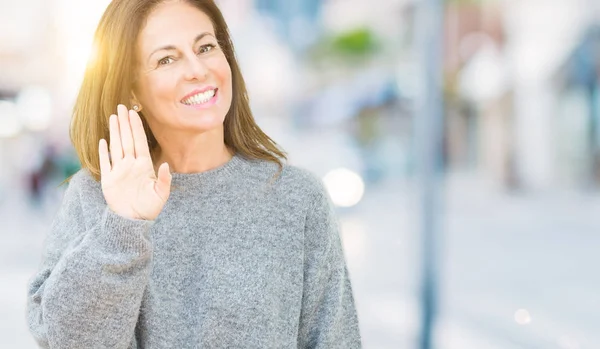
(163, 184)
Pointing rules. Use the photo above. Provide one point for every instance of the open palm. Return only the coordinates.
(129, 184)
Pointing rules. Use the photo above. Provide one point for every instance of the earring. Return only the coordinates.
(136, 108)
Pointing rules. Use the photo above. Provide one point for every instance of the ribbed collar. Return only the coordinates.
(206, 178)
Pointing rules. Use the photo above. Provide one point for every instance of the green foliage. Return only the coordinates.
(351, 47)
(357, 42)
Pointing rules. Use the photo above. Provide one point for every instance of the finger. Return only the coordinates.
(104, 159)
(125, 128)
(140, 140)
(163, 184)
(116, 151)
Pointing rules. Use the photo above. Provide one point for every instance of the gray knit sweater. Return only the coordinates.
(234, 260)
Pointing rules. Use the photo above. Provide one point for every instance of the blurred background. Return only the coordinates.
(337, 83)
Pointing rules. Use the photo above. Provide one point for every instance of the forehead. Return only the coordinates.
(172, 23)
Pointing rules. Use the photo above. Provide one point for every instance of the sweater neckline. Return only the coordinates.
(216, 174)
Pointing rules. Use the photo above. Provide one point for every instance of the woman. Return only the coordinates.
(220, 246)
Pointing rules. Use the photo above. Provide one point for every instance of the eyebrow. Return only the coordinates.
(171, 47)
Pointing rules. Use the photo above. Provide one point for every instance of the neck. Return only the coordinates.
(196, 154)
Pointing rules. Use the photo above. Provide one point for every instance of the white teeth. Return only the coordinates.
(200, 98)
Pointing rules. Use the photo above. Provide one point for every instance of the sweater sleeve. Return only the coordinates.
(328, 317)
(88, 290)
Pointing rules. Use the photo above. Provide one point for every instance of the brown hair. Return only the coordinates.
(110, 75)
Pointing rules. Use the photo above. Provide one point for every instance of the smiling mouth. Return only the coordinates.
(200, 98)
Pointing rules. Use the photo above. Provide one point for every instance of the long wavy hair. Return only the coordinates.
(110, 76)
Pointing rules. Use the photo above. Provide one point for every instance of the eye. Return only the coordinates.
(165, 61)
(206, 48)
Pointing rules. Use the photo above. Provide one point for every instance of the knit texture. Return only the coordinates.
(236, 259)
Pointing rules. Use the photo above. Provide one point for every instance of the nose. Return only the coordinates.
(195, 68)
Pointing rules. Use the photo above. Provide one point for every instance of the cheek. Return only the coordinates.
(227, 73)
(221, 69)
(225, 77)
(157, 87)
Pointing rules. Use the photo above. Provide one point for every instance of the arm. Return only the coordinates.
(88, 291)
(328, 318)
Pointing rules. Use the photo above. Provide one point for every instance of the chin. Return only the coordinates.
(206, 123)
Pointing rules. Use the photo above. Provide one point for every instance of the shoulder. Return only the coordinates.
(303, 179)
(316, 203)
(303, 185)
(73, 215)
(292, 182)
(83, 183)
(85, 192)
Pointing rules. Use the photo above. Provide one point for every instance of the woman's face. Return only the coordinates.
(184, 80)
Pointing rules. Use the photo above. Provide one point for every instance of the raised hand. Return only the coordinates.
(130, 186)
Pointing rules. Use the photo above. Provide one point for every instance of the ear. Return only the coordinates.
(135, 104)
